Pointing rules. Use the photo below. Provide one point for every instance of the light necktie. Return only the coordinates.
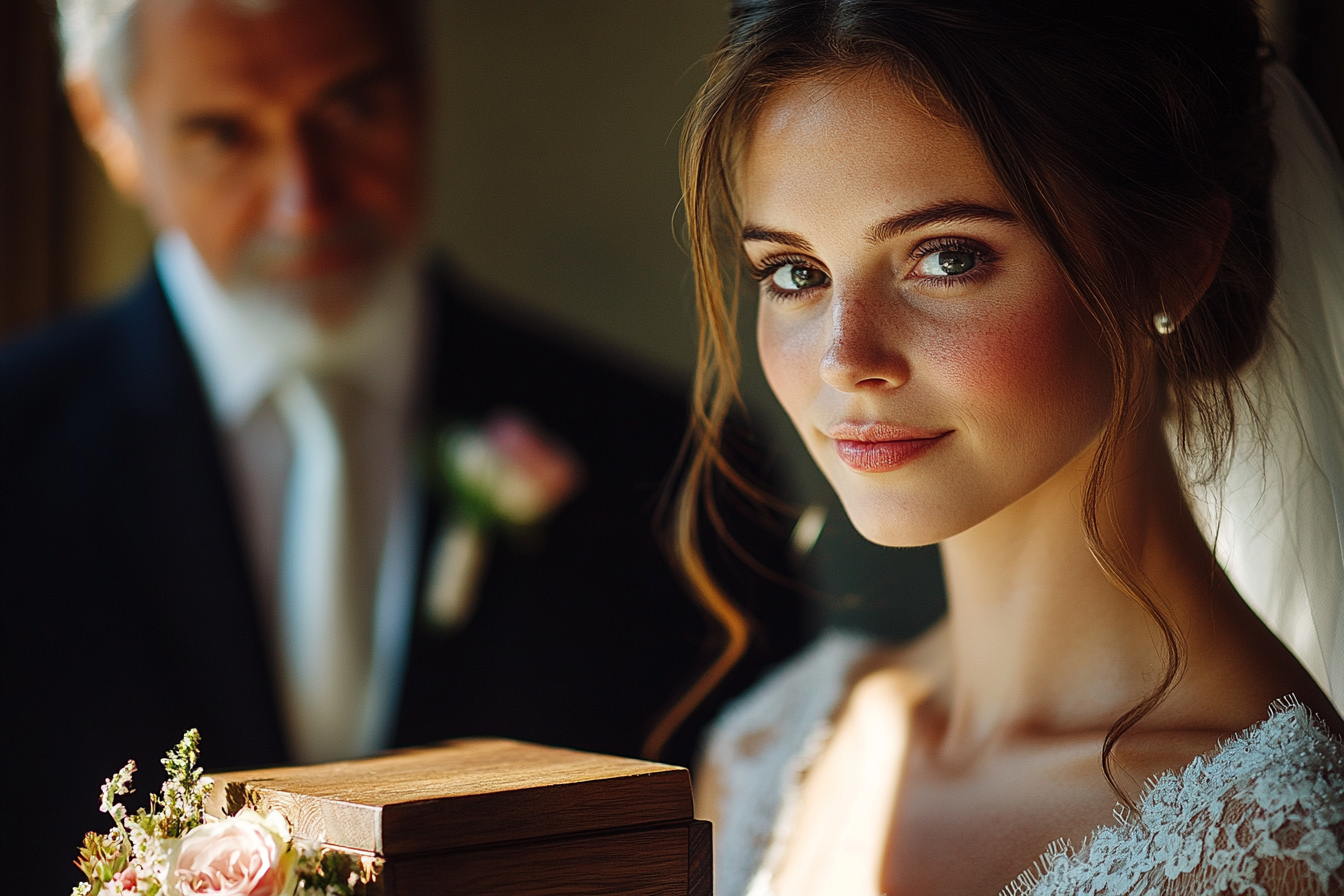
(323, 618)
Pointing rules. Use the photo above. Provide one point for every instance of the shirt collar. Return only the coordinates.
(245, 346)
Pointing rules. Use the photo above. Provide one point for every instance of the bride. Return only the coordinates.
(1016, 268)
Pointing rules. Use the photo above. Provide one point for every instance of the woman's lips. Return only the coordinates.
(878, 448)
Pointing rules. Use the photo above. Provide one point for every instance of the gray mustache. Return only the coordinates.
(265, 252)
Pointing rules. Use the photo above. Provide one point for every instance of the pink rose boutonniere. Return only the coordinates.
(506, 475)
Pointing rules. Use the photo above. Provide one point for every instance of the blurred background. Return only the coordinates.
(554, 183)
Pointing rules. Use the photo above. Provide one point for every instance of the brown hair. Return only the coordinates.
(1126, 134)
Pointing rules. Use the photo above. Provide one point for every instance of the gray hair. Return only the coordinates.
(97, 38)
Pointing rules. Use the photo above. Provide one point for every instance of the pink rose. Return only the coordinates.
(246, 855)
(539, 473)
(124, 881)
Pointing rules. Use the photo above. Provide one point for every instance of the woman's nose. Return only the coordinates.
(864, 350)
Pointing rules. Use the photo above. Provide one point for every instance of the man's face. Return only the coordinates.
(285, 144)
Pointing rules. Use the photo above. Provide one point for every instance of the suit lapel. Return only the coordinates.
(450, 394)
(184, 539)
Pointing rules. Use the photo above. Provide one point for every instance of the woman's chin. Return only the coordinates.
(896, 528)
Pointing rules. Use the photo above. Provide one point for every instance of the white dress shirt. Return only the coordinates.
(244, 347)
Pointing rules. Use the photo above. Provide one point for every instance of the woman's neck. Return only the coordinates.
(1041, 639)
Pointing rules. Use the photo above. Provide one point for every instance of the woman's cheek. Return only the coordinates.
(1033, 380)
(990, 360)
(790, 358)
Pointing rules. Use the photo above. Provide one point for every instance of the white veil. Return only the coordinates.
(1277, 522)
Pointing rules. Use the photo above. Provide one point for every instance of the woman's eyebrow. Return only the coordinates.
(754, 233)
(938, 213)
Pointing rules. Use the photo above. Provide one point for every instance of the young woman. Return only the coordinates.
(1014, 260)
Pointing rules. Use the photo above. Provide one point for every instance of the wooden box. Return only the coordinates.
(486, 817)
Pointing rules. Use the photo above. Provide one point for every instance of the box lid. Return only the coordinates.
(459, 794)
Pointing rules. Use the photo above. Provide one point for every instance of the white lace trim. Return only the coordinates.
(1264, 815)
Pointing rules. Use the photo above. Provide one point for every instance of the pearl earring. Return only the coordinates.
(1163, 323)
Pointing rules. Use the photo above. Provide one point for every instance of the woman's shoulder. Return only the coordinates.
(766, 724)
(764, 741)
(1263, 813)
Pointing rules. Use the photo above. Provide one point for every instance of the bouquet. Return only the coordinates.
(175, 849)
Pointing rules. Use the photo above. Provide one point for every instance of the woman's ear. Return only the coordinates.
(1205, 254)
(107, 136)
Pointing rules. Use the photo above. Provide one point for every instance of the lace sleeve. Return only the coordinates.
(1263, 815)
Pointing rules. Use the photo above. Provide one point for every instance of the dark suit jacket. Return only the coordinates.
(129, 607)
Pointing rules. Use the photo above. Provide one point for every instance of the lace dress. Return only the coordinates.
(1263, 814)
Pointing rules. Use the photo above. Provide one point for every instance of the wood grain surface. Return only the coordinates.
(700, 859)
(630, 863)
(463, 794)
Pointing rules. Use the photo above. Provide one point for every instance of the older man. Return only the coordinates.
(209, 515)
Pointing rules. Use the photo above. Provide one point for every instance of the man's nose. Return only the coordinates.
(304, 196)
(864, 350)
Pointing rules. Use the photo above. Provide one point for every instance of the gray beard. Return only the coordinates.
(281, 313)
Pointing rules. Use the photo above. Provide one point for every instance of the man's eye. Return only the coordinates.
(948, 263)
(218, 132)
(229, 134)
(371, 103)
(358, 107)
(795, 277)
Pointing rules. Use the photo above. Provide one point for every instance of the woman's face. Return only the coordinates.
(920, 337)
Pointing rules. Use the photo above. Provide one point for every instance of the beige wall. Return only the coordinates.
(107, 239)
(556, 146)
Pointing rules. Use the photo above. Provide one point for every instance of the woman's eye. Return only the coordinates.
(947, 263)
(795, 277)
